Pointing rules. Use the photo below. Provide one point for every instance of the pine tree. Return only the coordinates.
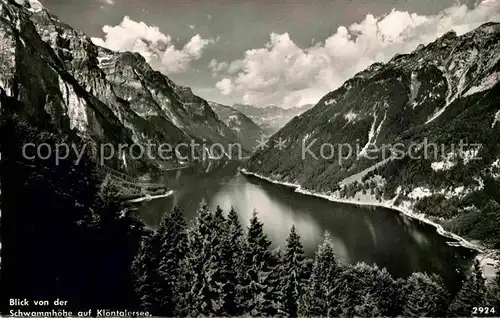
(352, 287)
(232, 267)
(293, 280)
(258, 263)
(216, 269)
(387, 291)
(172, 234)
(219, 222)
(274, 284)
(366, 290)
(206, 268)
(472, 293)
(157, 266)
(197, 270)
(424, 296)
(321, 294)
(145, 272)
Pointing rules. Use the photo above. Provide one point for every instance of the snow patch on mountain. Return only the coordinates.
(330, 102)
(486, 83)
(374, 132)
(35, 6)
(105, 61)
(379, 128)
(351, 116)
(371, 134)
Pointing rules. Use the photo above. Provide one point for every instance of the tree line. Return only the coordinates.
(215, 267)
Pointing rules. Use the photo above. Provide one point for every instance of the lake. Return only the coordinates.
(361, 234)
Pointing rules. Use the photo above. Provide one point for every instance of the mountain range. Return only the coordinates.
(443, 94)
(61, 79)
(271, 118)
(392, 135)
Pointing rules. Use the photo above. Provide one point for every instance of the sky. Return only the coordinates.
(268, 52)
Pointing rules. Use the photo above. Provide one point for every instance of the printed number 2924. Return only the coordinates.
(483, 310)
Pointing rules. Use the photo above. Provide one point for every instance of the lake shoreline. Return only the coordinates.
(485, 255)
(151, 197)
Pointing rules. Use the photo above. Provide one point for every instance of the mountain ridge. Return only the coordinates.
(271, 118)
(442, 93)
(105, 96)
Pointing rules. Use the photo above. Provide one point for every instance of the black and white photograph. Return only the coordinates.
(250, 158)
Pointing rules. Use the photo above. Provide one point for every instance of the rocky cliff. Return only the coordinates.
(61, 79)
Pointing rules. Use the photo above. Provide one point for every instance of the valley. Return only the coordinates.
(392, 208)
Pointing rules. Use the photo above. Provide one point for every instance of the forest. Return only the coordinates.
(215, 267)
(66, 235)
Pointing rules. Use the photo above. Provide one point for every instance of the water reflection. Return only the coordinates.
(277, 216)
(369, 234)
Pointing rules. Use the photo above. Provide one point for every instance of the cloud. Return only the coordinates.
(225, 86)
(191, 26)
(217, 67)
(283, 73)
(231, 68)
(156, 47)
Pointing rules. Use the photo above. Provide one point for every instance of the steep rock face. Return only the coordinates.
(271, 118)
(62, 79)
(368, 137)
(244, 128)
